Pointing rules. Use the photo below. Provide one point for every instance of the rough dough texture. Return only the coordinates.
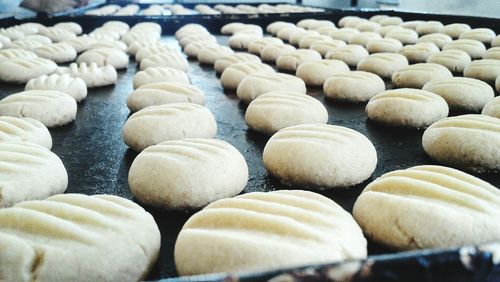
(270, 53)
(176, 121)
(73, 86)
(210, 54)
(383, 64)
(276, 110)
(28, 171)
(471, 142)
(59, 238)
(484, 35)
(258, 231)
(420, 52)
(320, 156)
(9, 54)
(384, 45)
(324, 47)
(492, 108)
(235, 73)
(93, 75)
(438, 39)
(407, 107)
(415, 76)
(226, 61)
(454, 30)
(487, 70)
(454, 60)
(354, 86)
(13, 129)
(462, 93)
(474, 48)
(315, 73)
(404, 35)
(159, 74)
(159, 93)
(427, 207)
(350, 54)
(429, 27)
(173, 60)
(57, 52)
(255, 85)
(188, 173)
(22, 70)
(52, 108)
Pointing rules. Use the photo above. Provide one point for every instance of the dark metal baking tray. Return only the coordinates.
(98, 161)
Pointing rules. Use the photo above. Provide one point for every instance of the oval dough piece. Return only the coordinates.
(420, 52)
(454, 60)
(384, 45)
(57, 34)
(404, 35)
(274, 27)
(207, 38)
(194, 173)
(388, 28)
(13, 129)
(307, 41)
(159, 93)
(257, 231)
(383, 64)
(192, 49)
(23, 69)
(242, 40)
(469, 141)
(474, 48)
(492, 108)
(344, 34)
(454, 30)
(104, 56)
(368, 26)
(93, 75)
(346, 156)
(429, 27)
(9, 54)
(301, 34)
(24, 44)
(363, 38)
(255, 47)
(57, 52)
(285, 33)
(415, 76)
(52, 108)
(226, 61)
(159, 74)
(484, 35)
(81, 43)
(492, 53)
(324, 47)
(494, 43)
(354, 86)
(210, 54)
(172, 60)
(176, 121)
(148, 51)
(438, 39)
(66, 233)
(407, 107)
(11, 33)
(390, 21)
(487, 70)
(315, 73)
(255, 85)
(235, 73)
(276, 110)
(270, 53)
(350, 54)
(426, 207)
(462, 93)
(290, 61)
(73, 86)
(29, 172)
(70, 26)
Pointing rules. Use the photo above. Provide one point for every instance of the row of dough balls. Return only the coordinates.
(134, 9)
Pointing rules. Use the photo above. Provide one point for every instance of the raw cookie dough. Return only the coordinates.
(23, 69)
(429, 27)
(383, 64)
(226, 61)
(404, 35)
(439, 39)
(73, 86)
(492, 108)
(324, 47)
(487, 70)
(484, 35)
(454, 30)
(350, 54)
(9, 54)
(13, 129)
(255, 85)
(159, 74)
(210, 54)
(256, 46)
(57, 34)
(242, 40)
(192, 49)
(270, 53)
(315, 73)
(235, 73)
(384, 45)
(474, 48)
(148, 51)
(354, 86)
(455, 60)
(93, 75)
(415, 76)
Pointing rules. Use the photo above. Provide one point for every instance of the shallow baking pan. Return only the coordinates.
(98, 161)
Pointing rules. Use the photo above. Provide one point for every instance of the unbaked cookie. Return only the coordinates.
(383, 64)
(258, 231)
(487, 70)
(270, 53)
(407, 107)
(70, 26)
(404, 35)
(57, 52)
(384, 45)
(429, 27)
(415, 76)
(363, 38)
(468, 141)
(159, 93)
(307, 41)
(148, 51)
(324, 47)
(368, 26)
(439, 39)
(454, 60)
(226, 61)
(354, 86)
(159, 74)
(52, 108)
(315, 73)
(286, 33)
(24, 44)
(173, 60)
(427, 207)
(343, 34)
(57, 34)
(23, 69)
(484, 35)
(93, 75)
(255, 47)
(454, 30)
(390, 21)
(492, 53)
(492, 108)
(176, 121)
(273, 111)
(274, 27)
(73, 86)
(188, 173)
(301, 34)
(207, 38)
(81, 43)
(255, 85)
(9, 54)
(350, 54)
(320, 156)
(192, 49)
(109, 44)
(235, 73)
(104, 56)
(474, 48)
(212, 53)
(242, 40)
(420, 52)
(13, 129)
(290, 61)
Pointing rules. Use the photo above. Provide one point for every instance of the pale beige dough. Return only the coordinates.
(290, 61)
(93, 75)
(492, 108)
(484, 35)
(439, 39)
(343, 34)
(486, 69)
(420, 52)
(415, 76)
(226, 61)
(454, 30)
(13, 129)
(73, 86)
(429, 27)
(270, 53)
(455, 60)
(324, 47)
(383, 64)
(192, 49)
(242, 40)
(173, 60)
(23, 69)
(235, 73)
(349, 54)
(315, 73)
(256, 46)
(159, 74)
(405, 36)
(354, 86)
(474, 48)
(210, 54)
(492, 53)
(384, 45)
(363, 38)
(255, 85)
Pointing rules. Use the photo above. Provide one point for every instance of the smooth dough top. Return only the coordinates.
(383, 64)
(454, 30)
(13, 129)
(484, 35)
(429, 27)
(258, 230)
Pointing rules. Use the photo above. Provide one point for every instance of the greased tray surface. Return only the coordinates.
(98, 161)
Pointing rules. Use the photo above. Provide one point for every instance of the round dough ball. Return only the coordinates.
(454, 60)
(50, 107)
(343, 34)
(461, 93)
(315, 73)
(210, 54)
(320, 156)
(487, 70)
(173, 60)
(492, 108)
(257, 231)
(57, 52)
(73, 86)
(420, 52)
(13, 129)
(188, 173)
(349, 54)
(176, 121)
(22, 70)
(354, 86)
(427, 207)
(363, 38)
(383, 64)
(226, 61)
(404, 35)
(93, 75)
(270, 53)
(255, 85)
(290, 61)
(324, 47)
(242, 40)
(407, 107)
(439, 39)
(160, 93)
(415, 76)
(256, 46)
(192, 49)
(454, 30)
(235, 73)
(484, 35)
(474, 48)
(159, 74)
(471, 142)
(384, 45)
(276, 110)
(429, 27)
